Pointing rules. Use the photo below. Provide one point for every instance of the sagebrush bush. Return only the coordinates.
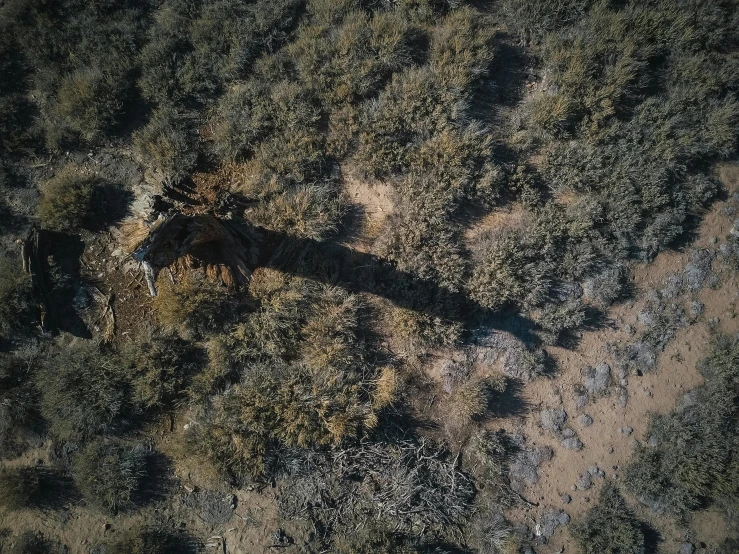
(30, 542)
(21, 487)
(84, 392)
(20, 420)
(109, 474)
(151, 540)
(196, 302)
(167, 143)
(88, 104)
(66, 200)
(610, 527)
(159, 367)
(305, 380)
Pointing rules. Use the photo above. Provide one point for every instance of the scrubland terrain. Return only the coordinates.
(390, 276)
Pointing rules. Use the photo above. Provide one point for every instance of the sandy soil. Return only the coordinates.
(605, 445)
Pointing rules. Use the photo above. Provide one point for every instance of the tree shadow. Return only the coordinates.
(652, 538)
(158, 480)
(361, 272)
(109, 205)
(510, 402)
(53, 261)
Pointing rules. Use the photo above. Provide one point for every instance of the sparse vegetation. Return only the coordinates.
(31, 543)
(694, 457)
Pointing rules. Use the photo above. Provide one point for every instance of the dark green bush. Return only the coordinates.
(84, 392)
(609, 527)
(110, 474)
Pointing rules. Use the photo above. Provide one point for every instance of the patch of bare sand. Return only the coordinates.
(605, 445)
(512, 216)
(372, 200)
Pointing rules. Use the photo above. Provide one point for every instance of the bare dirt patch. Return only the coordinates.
(372, 203)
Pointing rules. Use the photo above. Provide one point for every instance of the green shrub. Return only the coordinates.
(66, 200)
(167, 144)
(84, 392)
(110, 474)
(609, 527)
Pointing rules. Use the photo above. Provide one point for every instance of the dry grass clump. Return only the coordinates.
(109, 474)
(195, 302)
(151, 540)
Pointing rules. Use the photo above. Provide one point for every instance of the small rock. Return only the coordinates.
(623, 396)
(553, 420)
(568, 433)
(572, 443)
(687, 548)
(597, 379)
(627, 430)
(585, 420)
(624, 382)
(566, 498)
(653, 441)
(696, 308)
(584, 482)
